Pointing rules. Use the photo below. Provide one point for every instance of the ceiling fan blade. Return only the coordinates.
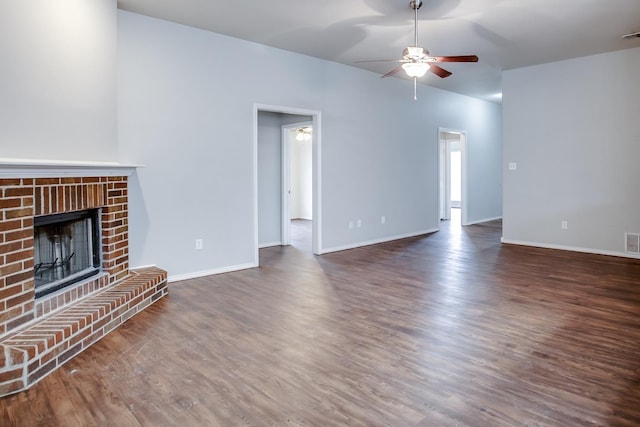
(439, 71)
(462, 58)
(378, 60)
(392, 72)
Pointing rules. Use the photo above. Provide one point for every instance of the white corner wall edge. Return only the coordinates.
(197, 274)
(36, 168)
(480, 221)
(376, 241)
(570, 248)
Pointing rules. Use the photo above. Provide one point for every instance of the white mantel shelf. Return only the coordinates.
(32, 168)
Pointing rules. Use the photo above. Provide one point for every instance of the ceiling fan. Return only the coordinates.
(416, 60)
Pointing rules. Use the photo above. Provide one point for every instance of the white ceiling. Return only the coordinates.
(505, 34)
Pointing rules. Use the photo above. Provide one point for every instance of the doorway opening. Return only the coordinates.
(272, 206)
(297, 184)
(452, 175)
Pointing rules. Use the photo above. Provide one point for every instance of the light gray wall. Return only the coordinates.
(58, 79)
(186, 101)
(484, 161)
(573, 129)
(269, 178)
(289, 119)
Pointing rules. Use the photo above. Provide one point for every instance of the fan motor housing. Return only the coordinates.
(414, 52)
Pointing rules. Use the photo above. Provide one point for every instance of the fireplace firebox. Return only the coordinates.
(66, 249)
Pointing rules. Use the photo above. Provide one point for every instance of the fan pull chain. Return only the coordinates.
(416, 6)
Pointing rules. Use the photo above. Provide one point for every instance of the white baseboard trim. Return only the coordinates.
(268, 245)
(570, 248)
(480, 221)
(377, 241)
(197, 274)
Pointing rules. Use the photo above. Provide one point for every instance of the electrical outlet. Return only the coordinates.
(564, 225)
(383, 219)
(359, 222)
(198, 244)
(632, 241)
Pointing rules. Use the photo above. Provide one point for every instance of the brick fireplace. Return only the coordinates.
(39, 335)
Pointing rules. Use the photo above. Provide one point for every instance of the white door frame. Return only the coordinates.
(316, 122)
(444, 200)
(444, 179)
(286, 177)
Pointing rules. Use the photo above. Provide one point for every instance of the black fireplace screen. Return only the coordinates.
(66, 249)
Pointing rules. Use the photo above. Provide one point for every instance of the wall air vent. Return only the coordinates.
(632, 242)
(632, 36)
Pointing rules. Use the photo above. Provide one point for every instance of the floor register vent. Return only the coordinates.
(632, 241)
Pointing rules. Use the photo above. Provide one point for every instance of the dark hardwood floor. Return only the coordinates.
(448, 329)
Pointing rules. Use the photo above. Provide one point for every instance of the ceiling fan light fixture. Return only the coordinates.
(416, 61)
(303, 134)
(414, 52)
(415, 69)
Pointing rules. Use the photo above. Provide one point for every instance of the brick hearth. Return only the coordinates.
(37, 336)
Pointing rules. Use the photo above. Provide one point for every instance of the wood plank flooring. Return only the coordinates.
(448, 329)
